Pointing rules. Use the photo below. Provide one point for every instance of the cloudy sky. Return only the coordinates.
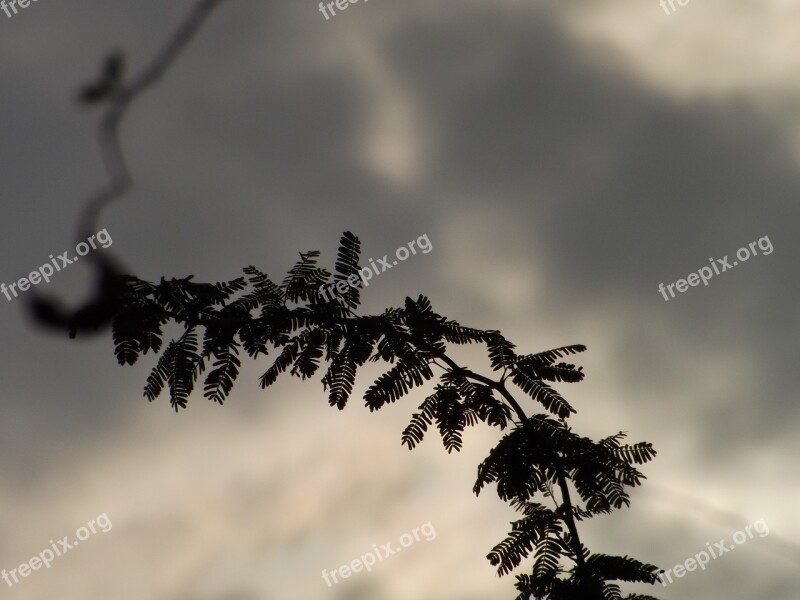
(564, 159)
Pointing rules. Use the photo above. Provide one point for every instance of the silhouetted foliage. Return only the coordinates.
(538, 457)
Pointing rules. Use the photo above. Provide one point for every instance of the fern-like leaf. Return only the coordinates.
(307, 361)
(622, 568)
(304, 278)
(347, 269)
(283, 362)
(501, 353)
(561, 372)
(450, 419)
(525, 535)
(637, 453)
(416, 429)
(341, 376)
(181, 370)
(548, 357)
(543, 393)
(548, 553)
(220, 380)
(158, 376)
(397, 382)
(514, 465)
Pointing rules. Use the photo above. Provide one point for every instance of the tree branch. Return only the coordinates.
(119, 178)
(569, 518)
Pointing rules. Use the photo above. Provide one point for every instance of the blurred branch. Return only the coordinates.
(118, 103)
(111, 90)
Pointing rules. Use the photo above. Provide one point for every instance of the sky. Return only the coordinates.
(564, 160)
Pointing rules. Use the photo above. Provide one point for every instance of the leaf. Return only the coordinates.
(543, 393)
(525, 535)
(258, 298)
(501, 353)
(480, 399)
(304, 279)
(228, 288)
(547, 554)
(561, 372)
(517, 464)
(136, 329)
(283, 362)
(181, 369)
(416, 429)
(347, 266)
(458, 334)
(220, 380)
(254, 335)
(158, 376)
(611, 591)
(423, 325)
(550, 356)
(622, 568)
(450, 419)
(341, 377)
(638, 453)
(509, 553)
(397, 382)
(126, 348)
(307, 361)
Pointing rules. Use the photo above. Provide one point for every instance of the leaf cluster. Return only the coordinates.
(306, 332)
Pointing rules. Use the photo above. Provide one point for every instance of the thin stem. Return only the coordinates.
(119, 177)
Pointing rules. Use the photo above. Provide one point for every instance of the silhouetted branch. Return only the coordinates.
(112, 90)
(522, 420)
(307, 328)
(118, 103)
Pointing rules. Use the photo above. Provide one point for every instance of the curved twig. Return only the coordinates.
(119, 177)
